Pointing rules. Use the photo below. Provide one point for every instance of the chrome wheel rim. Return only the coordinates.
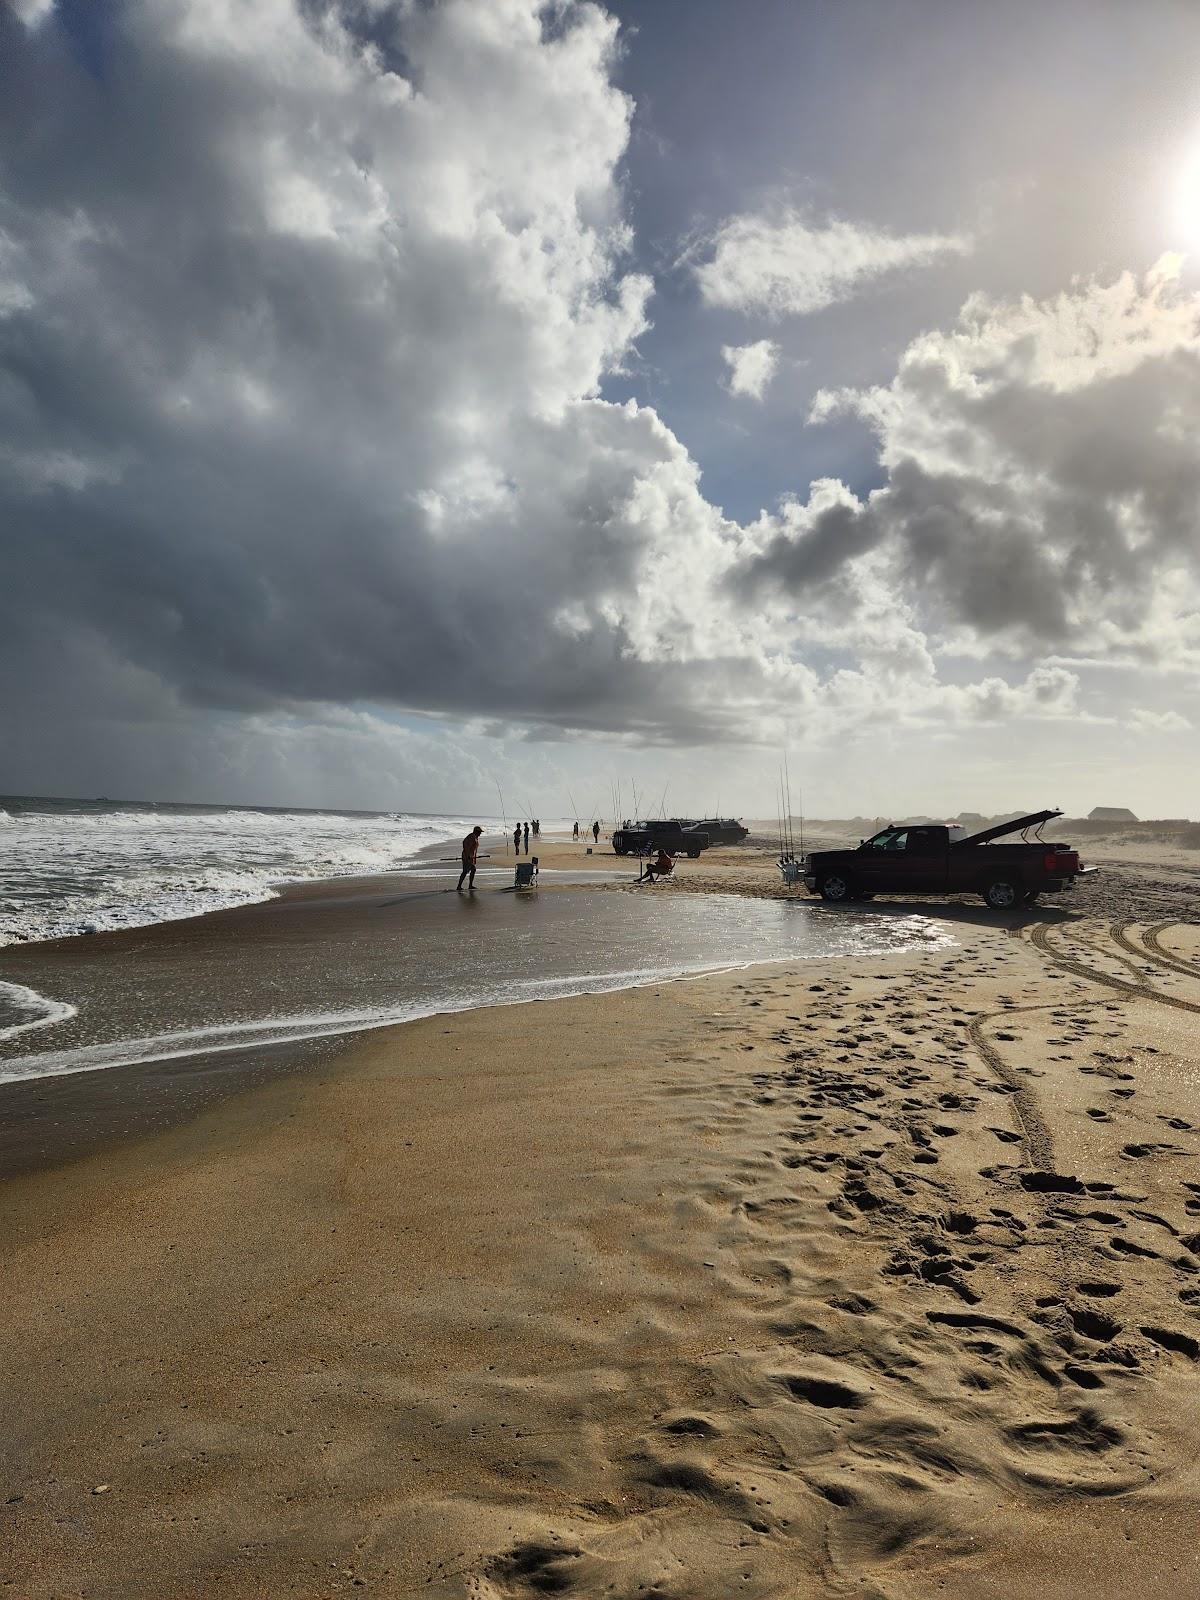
(1003, 895)
(835, 888)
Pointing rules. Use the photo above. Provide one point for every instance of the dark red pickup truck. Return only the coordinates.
(920, 858)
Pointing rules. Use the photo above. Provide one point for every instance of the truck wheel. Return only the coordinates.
(693, 855)
(835, 887)
(1001, 894)
(619, 849)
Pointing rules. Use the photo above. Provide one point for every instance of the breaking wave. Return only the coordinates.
(87, 867)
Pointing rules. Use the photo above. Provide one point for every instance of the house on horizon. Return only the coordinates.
(1111, 814)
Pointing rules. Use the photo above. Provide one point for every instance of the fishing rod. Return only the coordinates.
(503, 813)
(662, 804)
(787, 778)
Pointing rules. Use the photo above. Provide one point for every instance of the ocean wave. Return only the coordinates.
(64, 872)
(313, 1026)
(32, 1010)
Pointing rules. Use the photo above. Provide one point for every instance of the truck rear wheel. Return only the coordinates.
(694, 853)
(1002, 894)
(835, 887)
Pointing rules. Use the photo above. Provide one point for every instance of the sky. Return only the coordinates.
(401, 399)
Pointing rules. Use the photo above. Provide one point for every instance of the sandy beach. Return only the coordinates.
(828, 1277)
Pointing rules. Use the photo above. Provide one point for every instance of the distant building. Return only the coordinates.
(1111, 814)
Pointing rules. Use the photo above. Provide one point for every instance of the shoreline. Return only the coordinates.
(754, 1275)
(171, 1045)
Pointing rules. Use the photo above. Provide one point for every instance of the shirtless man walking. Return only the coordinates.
(470, 851)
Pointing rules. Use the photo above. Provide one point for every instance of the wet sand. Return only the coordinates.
(179, 1016)
(824, 1278)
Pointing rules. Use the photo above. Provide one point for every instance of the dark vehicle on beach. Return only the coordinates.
(720, 830)
(921, 858)
(673, 836)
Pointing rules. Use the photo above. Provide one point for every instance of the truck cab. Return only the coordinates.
(903, 859)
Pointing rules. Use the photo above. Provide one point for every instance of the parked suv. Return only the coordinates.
(671, 836)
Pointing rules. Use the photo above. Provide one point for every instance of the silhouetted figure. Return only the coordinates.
(517, 839)
(526, 838)
(595, 833)
(470, 854)
(576, 833)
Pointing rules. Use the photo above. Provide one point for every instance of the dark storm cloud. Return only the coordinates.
(304, 316)
(1041, 479)
(297, 366)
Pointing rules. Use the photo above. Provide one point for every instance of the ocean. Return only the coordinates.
(90, 866)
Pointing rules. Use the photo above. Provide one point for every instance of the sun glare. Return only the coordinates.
(1184, 217)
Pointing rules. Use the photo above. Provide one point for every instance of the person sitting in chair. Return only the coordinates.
(659, 868)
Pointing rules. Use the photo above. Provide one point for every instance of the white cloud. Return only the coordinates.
(302, 411)
(1146, 721)
(31, 12)
(785, 265)
(751, 367)
(1043, 475)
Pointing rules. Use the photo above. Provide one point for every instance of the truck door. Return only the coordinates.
(927, 856)
(903, 861)
(879, 865)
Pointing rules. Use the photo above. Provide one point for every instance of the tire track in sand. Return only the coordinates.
(1133, 991)
(1035, 1133)
(1149, 949)
(1151, 939)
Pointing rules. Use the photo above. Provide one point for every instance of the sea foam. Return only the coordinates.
(87, 867)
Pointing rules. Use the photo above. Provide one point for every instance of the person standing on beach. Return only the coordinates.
(470, 855)
(576, 830)
(595, 833)
(526, 838)
(517, 839)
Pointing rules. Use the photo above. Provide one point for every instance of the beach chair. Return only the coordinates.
(526, 874)
(644, 878)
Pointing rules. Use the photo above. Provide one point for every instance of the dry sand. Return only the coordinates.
(879, 1280)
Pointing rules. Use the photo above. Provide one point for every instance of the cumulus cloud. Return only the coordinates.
(751, 367)
(786, 265)
(302, 400)
(1042, 476)
(303, 331)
